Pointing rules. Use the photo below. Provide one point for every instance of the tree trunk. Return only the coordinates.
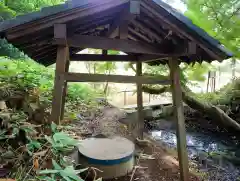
(105, 89)
(212, 111)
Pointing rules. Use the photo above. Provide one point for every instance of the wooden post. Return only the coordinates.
(125, 98)
(61, 64)
(179, 115)
(140, 124)
(64, 90)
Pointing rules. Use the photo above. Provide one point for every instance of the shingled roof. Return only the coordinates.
(33, 33)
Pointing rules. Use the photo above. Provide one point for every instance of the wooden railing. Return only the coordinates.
(150, 96)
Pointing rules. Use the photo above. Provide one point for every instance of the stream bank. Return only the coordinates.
(213, 156)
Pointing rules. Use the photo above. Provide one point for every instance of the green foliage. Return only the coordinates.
(101, 67)
(54, 146)
(60, 141)
(197, 72)
(66, 174)
(11, 8)
(225, 96)
(6, 13)
(27, 75)
(26, 6)
(190, 74)
(9, 50)
(220, 18)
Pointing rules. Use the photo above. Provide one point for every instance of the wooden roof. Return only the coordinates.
(157, 23)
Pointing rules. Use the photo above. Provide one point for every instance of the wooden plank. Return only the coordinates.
(140, 124)
(97, 57)
(178, 112)
(59, 84)
(82, 77)
(85, 41)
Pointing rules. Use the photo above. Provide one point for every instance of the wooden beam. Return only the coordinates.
(97, 57)
(59, 84)
(149, 58)
(135, 7)
(178, 112)
(82, 77)
(85, 41)
(140, 124)
(123, 26)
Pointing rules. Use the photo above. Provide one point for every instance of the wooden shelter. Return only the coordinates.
(146, 30)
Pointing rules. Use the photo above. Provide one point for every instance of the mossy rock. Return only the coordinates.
(167, 111)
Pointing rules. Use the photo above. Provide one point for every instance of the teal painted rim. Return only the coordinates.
(108, 162)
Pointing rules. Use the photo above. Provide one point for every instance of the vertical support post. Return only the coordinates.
(104, 52)
(64, 90)
(178, 112)
(125, 98)
(60, 34)
(208, 81)
(123, 27)
(140, 124)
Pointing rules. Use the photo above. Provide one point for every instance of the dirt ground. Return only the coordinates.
(163, 166)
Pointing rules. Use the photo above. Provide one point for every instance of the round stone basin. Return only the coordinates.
(113, 156)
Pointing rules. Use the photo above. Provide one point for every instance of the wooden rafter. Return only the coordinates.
(147, 29)
(140, 36)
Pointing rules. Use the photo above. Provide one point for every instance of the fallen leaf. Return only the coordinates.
(41, 153)
(35, 164)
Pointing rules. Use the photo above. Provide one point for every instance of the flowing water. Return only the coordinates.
(208, 152)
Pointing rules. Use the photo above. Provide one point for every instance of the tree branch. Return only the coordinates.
(155, 91)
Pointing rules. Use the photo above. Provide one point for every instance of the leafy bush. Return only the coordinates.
(225, 95)
(28, 75)
(68, 173)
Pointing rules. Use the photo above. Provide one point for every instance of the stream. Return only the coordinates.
(207, 152)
